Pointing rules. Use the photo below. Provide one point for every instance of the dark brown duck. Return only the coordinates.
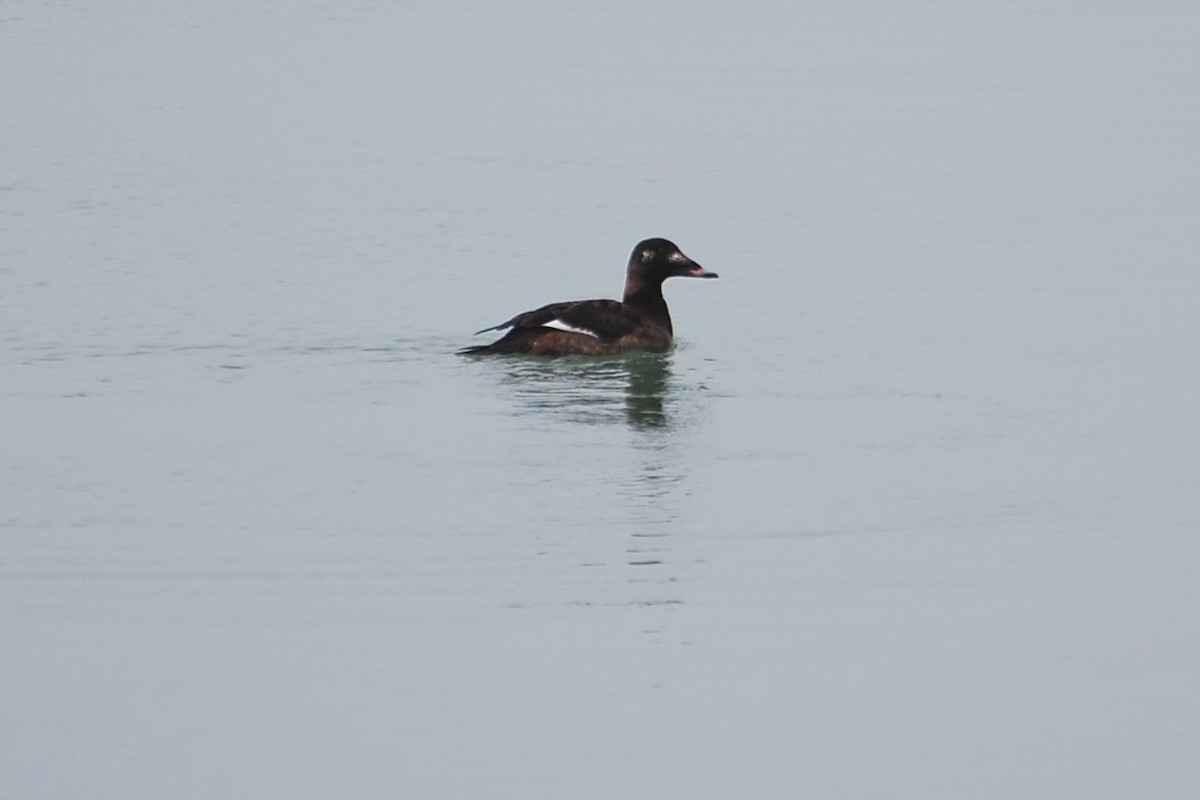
(601, 327)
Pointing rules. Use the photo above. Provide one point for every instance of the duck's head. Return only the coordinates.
(659, 259)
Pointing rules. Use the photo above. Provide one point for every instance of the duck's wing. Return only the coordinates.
(603, 319)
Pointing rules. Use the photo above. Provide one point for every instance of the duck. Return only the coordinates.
(639, 322)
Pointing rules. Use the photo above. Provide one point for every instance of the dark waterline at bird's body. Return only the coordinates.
(640, 321)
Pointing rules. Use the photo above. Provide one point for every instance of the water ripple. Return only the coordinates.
(636, 389)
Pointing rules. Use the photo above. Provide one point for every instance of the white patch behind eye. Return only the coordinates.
(558, 324)
(677, 257)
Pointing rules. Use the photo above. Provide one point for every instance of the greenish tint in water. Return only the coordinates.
(635, 388)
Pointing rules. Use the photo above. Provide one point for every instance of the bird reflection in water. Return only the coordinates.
(645, 475)
(634, 388)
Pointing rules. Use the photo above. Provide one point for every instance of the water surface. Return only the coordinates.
(909, 510)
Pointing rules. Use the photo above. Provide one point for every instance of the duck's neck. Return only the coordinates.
(646, 297)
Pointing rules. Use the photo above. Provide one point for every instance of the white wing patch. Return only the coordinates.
(558, 324)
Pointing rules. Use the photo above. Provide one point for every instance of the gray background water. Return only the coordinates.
(910, 511)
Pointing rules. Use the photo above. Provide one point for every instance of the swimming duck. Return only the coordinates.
(602, 327)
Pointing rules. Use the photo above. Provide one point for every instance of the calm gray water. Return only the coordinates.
(909, 511)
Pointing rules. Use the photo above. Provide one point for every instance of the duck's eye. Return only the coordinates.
(676, 257)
